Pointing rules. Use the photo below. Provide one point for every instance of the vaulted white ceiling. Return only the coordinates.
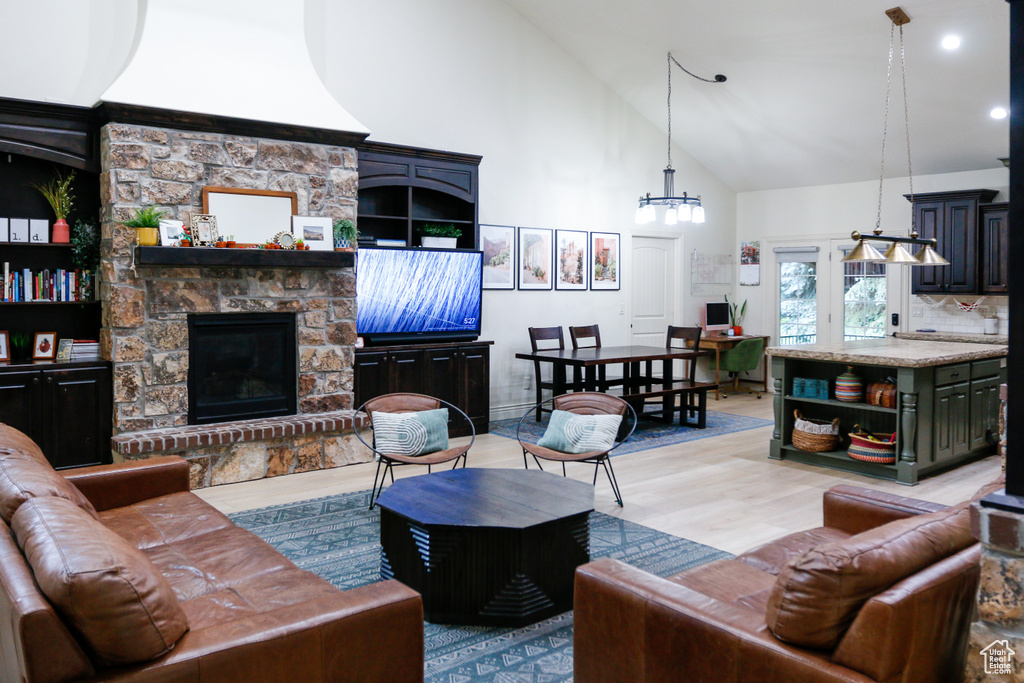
(805, 96)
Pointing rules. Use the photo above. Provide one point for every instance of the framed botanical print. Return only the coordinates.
(571, 259)
(498, 242)
(534, 258)
(604, 260)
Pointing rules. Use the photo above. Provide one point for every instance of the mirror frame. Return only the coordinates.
(214, 189)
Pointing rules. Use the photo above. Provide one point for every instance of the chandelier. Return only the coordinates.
(896, 253)
(679, 209)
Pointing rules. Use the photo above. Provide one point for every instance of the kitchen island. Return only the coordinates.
(946, 409)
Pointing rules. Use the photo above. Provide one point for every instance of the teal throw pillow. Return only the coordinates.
(571, 433)
(410, 434)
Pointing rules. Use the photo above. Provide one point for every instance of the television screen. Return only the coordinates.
(418, 294)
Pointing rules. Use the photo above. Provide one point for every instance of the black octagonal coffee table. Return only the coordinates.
(486, 546)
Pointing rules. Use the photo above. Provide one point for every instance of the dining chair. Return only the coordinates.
(542, 338)
(588, 337)
(582, 403)
(411, 429)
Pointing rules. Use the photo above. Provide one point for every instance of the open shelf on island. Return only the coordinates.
(841, 404)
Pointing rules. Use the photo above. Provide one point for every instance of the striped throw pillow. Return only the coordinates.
(410, 434)
(571, 433)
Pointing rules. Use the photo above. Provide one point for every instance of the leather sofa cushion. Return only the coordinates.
(772, 557)
(19, 441)
(23, 476)
(109, 592)
(817, 597)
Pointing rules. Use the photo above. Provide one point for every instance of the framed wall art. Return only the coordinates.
(571, 259)
(203, 228)
(316, 232)
(44, 346)
(534, 258)
(170, 232)
(498, 242)
(65, 348)
(604, 261)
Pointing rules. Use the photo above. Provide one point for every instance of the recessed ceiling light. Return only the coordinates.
(998, 113)
(951, 42)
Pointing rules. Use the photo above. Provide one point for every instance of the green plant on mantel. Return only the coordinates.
(440, 230)
(345, 230)
(146, 217)
(58, 193)
(85, 245)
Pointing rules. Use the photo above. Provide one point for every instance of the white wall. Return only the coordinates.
(834, 211)
(560, 150)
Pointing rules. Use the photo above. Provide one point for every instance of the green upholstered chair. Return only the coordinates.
(743, 357)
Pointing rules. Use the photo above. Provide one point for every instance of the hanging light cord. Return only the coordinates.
(719, 78)
(885, 126)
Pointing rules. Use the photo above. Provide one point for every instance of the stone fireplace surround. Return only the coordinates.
(145, 307)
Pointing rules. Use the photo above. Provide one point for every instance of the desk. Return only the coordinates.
(717, 342)
(636, 385)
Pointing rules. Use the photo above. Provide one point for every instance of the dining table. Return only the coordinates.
(638, 379)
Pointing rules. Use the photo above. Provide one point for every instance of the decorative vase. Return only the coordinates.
(991, 325)
(439, 242)
(849, 386)
(61, 232)
(342, 244)
(737, 330)
(148, 237)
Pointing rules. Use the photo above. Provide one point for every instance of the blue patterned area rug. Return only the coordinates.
(649, 433)
(338, 538)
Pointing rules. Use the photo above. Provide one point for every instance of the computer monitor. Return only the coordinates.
(715, 317)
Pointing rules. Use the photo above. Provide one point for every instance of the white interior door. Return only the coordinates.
(653, 298)
(802, 285)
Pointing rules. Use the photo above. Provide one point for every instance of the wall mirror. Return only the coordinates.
(252, 216)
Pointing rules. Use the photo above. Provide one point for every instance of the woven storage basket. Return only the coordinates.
(863, 448)
(815, 436)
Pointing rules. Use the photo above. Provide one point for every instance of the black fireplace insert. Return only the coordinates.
(241, 366)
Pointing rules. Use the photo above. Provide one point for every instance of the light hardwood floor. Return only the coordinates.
(722, 491)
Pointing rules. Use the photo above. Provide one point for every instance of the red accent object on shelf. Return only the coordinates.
(61, 232)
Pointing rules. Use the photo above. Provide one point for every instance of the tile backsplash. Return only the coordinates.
(949, 318)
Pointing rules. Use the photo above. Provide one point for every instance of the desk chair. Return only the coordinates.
(588, 337)
(548, 335)
(743, 357)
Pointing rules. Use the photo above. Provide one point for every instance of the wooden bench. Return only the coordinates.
(693, 398)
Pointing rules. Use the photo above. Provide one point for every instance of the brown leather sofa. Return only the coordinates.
(884, 591)
(118, 573)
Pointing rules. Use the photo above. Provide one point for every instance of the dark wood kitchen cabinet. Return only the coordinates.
(995, 247)
(66, 408)
(456, 372)
(951, 219)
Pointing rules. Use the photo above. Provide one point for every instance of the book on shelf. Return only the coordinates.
(381, 242)
(85, 349)
(26, 285)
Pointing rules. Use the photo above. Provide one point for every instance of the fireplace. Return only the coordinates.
(241, 366)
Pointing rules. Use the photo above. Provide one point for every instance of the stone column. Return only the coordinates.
(995, 648)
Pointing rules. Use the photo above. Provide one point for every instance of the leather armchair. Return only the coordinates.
(908, 585)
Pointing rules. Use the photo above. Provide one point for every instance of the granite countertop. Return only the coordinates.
(965, 337)
(900, 353)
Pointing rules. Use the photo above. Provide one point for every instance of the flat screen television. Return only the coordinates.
(715, 317)
(418, 295)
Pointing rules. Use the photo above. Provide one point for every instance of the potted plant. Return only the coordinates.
(345, 235)
(443, 235)
(146, 222)
(58, 193)
(736, 313)
(85, 255)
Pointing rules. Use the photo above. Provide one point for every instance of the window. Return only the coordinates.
(864, 298)
(798, 302)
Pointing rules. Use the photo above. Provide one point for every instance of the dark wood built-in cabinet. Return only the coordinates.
(403, 188)
(64, 407)
(457, 372)
(956, 220)
(995, 244)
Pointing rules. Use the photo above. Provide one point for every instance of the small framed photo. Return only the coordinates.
(535, 249)
(571, 259)
(498, 242)
(170, 232)
(39, 231)
(316, 232)
(19, 230)
(203, 228)
(5, 346)
(604, 261)
(64, 349)
(44, 346)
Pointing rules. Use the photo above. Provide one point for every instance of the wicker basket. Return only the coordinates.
(863, 448)
(815, 436)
